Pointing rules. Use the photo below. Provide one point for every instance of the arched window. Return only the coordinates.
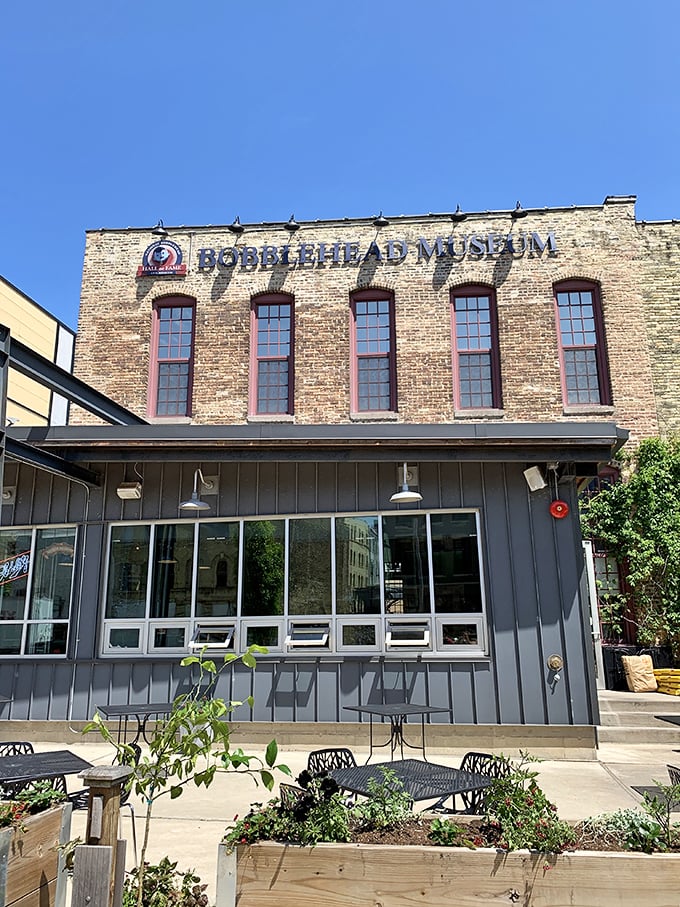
(476, 361)
(172, 356)
(585, 377)
(271, 355)
(373, 366)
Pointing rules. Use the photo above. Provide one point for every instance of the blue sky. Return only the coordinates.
(118, 114)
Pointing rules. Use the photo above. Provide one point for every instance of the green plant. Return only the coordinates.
(12, 814)
(638, 521)
(162, 885)
(190, 745)
(659, 808)
(39, 796)
(446, 833)
(522, 815)
(627, 829)
(387, 803)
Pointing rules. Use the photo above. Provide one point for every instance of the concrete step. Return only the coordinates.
(639, 735)
(633, 718)
(652, 703)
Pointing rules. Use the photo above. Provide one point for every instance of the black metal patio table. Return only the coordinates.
(421, 780)
(141, 712)
(31, 766)
(397, 712)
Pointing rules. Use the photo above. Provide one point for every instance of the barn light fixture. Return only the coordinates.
(236, 226)
(159, 230)
(405, 496)
(458, 215)
(518, 211)
(195, 503)
(380, 221)
(292, 225)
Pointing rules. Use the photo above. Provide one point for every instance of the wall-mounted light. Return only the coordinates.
(406, 496)
(9, 493)
(236, 226)
(159, 230)
(380, 221)
(129, 491)
(292, 225)
(458, 215)
(195, 503)
(534, 478)
(518, 211)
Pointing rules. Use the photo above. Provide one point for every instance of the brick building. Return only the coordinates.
(289, 374)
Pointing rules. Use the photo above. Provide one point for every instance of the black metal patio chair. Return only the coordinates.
(320, 762)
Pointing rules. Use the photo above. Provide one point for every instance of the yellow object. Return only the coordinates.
(668, 680)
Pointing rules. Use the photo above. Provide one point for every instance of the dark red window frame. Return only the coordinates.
(272, 349)
(580, 334)
(373, 371)
(474, 343)
(172, 357)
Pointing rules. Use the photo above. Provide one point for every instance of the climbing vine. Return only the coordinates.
(638, 521)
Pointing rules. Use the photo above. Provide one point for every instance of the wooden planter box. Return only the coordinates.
(30, 864)
(365, 875)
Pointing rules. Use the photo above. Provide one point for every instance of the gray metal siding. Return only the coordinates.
(532, 568)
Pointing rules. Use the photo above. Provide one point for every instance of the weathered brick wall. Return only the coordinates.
(601, 243)
(660, 270)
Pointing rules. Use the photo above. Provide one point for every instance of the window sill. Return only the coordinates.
(479, 414)
(374, 417)
(170, 420)
(271, 417)
(589, 410)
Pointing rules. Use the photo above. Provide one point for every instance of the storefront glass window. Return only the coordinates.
(172, 570)
(455, 562)
(357, 565)
(36, 584)
(263, 567)
(407, 581)
(309, 568)
(217, 575)
(128, 571)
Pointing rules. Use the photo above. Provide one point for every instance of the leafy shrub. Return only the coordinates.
(34, 799)
(164, 886)
(522, 815)
(627, 829)
(446, 833)
(386, 806)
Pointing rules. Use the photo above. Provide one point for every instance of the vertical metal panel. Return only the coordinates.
(267, 474)
(287, 487)
(62, 675)
(85, 617)
(450, 490)
(485, 702)
(463, 698)
(348, 497)
(305, 689)
(263, 684)
(306, 488)
(504, 599)
(284, 692)
(367, 490)
(328, 486)
(327, 683)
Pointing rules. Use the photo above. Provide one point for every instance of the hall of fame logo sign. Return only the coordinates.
(161, 259)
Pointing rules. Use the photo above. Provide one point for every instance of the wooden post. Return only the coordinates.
(103, 811)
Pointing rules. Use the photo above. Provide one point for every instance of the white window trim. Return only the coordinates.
(462, 619)
(116, 624)
(376, 622)
(168, 625)
(421, 624)
(228, 630)
(244, 623)
(322, 639)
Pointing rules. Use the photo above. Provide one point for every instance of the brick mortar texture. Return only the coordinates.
(637, 266)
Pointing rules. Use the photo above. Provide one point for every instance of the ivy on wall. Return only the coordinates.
(638, 521)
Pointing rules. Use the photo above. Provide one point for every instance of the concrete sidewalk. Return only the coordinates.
(189, 828)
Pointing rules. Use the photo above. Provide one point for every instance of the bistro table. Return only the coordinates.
(30, 766)
(421, 780)
(397, 712)
(141, 712)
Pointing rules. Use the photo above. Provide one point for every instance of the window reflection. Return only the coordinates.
(172, 570)
(263, 568)
(309, 570)
(455, 563)
(128, 569)
(407, 582)
(217, 575)
(357, 565)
